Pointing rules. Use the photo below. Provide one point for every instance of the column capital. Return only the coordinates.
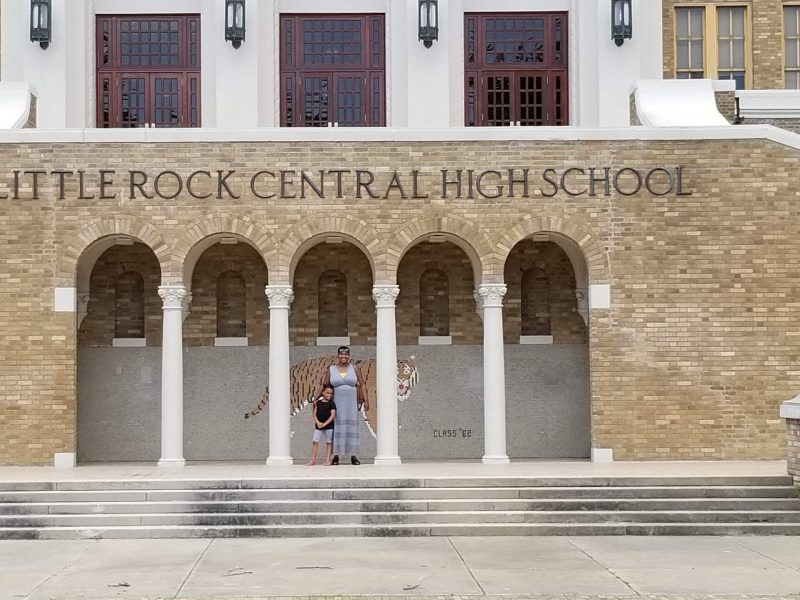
(279, 296)
(385, 295)
(172, 296)
(492, 294)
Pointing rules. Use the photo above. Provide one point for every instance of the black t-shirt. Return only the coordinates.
(324, 413)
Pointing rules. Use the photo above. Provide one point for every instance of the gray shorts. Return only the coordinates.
(326, 433)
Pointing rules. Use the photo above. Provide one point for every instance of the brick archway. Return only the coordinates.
(463, 233)
(202, 234)
(118, 225)
(308, 234)
(572, 232)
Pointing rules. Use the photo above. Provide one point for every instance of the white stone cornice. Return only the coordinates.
(791, 408)
(172, 296)
(280, 296)
(492, 294)
(385, 295)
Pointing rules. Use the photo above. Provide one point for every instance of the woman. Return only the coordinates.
(350, 394)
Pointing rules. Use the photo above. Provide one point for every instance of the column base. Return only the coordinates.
(280, 461)
(387, 460)
(172, 462)
(495, 460)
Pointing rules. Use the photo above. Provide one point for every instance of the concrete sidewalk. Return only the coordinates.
(579, 567)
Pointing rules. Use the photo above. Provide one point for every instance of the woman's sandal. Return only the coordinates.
(354, 460)
(335, 460)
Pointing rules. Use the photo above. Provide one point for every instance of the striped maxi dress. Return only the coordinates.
(346, 424)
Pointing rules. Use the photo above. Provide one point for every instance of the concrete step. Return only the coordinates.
(410, 518)
(392, 530)
(440, 504)
(369, 494)
(368, 482)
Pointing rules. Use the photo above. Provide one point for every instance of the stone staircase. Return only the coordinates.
(337, 507)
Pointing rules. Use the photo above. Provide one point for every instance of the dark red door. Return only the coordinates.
(148, 71)
(516, 69)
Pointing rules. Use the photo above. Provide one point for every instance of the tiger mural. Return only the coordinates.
(304, 379)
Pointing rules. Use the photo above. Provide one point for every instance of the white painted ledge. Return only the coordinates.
(15, 104)
(65, 299)
(535, 340)
(602, 455)
(791, 409)
(435, 340)
(769, 104)
(333, 341)
(64, 460)
(375, 134)
(677, 103)
(129, 342)
(230, 341)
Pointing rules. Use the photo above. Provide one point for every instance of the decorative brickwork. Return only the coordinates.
(565, 323)
(464, 325)
(113, 303)
(766, 21)
(692, 360)
(793, 448)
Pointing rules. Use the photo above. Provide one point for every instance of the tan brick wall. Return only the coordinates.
(726, 104)
(793, 448)
(766, 17)
(692, 360)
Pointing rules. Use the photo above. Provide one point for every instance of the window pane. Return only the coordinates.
(682, 23)
(792, 54)
(683, 54)
(791, 16)
(697, 56)
(696, 20)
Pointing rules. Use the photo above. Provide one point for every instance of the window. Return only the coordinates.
(791, 43)
(332, 304)
(148, 71)
(333, 71)
(231, 305)
(129, 306)
(516, 69)
(727, 56)
(434, 303)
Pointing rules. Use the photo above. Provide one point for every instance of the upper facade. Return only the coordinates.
(306, 63)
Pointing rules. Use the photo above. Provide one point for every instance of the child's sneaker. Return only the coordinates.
(311, 463)
(328, 462)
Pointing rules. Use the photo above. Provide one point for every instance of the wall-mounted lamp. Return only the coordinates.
(234, 22)
(428, 22)
(41, 23)
(621, 21)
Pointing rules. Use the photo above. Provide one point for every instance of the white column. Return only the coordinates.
(494, 376)
(172, 376)
(280, 298)
(385, 296)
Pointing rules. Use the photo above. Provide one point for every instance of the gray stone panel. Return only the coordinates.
(119, 390)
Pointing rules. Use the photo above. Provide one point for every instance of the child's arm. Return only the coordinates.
(314, 414)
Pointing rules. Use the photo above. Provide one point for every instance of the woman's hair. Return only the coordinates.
(343, 349)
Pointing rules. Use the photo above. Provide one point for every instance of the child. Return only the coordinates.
(324, 412)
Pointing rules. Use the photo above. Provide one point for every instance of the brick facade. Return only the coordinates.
(766, 29)
(691, 361)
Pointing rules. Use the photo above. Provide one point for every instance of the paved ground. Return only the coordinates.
(569, 567)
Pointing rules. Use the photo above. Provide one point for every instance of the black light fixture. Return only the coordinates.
(234, 22)
(41, 22)
(621, 21)
(428, 22)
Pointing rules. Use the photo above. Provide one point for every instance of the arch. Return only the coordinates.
(204, 233)
(76, 262)
(308, 234)
(475, 244)
(588, 257)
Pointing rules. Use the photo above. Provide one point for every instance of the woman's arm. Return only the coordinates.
(361, 390)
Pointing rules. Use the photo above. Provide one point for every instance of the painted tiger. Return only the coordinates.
(305, 377)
